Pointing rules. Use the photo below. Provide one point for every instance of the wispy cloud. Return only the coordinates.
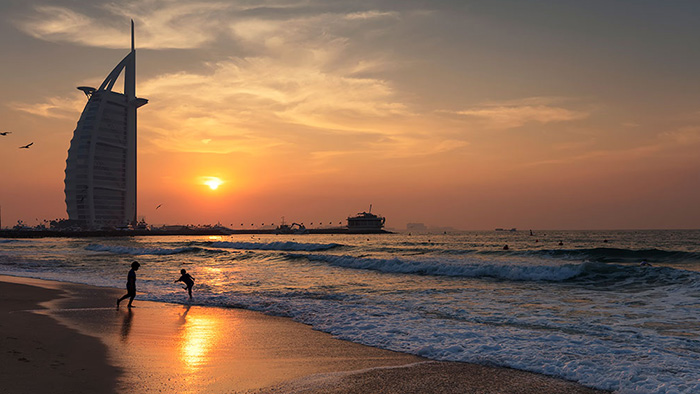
(256, 97)
(686, 135)
(373, 14)
(52, 107)
(298, 85)
(162, 24)
(517, 113)
(672, 144)
(167, 24)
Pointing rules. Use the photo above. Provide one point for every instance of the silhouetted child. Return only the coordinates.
(188, 280)
(130, 284)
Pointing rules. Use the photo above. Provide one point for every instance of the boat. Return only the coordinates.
(366, 222)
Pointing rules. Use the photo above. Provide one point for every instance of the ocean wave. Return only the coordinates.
(601, 274)
(633, 278)
(520, 272)
(617, 255)
(283, 246)
(140, 251)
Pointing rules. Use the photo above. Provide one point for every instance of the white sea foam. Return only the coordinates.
(138, 251)
(443, 267)
(610, 363)
(282, 246)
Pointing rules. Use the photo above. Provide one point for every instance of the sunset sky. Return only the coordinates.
(549, 114)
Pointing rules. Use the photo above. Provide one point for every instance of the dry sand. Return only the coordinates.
(67, 338)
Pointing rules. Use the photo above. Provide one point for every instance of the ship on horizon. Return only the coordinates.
(366, 222)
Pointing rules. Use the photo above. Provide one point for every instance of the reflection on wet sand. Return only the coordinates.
(126, 324)
(199, 333)
(166, 348)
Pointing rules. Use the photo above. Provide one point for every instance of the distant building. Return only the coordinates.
(100, 183)
(416, 227)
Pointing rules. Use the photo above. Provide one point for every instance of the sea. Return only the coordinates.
(614, 310)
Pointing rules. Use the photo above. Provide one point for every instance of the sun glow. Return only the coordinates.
(213, 182)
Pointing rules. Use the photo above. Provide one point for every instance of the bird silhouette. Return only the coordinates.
(26, 146)
(5, 132)
(158, 206)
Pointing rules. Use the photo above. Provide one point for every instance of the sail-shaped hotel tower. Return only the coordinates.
(100, 183)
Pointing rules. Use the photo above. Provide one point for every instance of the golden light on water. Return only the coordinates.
(200, 334)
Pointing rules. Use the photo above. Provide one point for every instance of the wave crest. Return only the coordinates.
(616, 255)
(593, 273)
(283, 246)
(139, 251)
(517, 272)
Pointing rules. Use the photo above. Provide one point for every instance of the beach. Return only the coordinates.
(39, 355)
(62, 337)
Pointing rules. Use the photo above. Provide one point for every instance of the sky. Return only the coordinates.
(542, 114)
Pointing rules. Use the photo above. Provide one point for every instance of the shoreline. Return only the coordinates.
(179, 348)
(39, 354)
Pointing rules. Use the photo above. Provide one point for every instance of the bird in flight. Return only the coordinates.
(5, 132)
(26, 146)
(158, 206)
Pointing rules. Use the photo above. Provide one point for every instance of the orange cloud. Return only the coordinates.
(53, 107)
(512, 115)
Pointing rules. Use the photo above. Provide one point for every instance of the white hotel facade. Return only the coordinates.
(100, 182)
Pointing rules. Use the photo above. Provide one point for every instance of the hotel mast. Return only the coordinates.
(100, 183)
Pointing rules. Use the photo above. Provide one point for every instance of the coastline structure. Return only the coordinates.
(100, 182)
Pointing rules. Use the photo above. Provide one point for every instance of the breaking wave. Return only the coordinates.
(457, 269)
(282, 246)
(589, 272)
(616, 255)
(140, 251)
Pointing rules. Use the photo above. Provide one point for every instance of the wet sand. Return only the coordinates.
(75, 340)
(39, 355)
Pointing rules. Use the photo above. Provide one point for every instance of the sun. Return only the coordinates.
(213, 182)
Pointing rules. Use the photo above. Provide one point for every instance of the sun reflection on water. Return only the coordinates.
(200, 334)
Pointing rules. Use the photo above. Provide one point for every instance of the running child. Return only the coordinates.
(188, 280)
(130, 285)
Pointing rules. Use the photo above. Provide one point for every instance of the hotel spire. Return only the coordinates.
(100, 183)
